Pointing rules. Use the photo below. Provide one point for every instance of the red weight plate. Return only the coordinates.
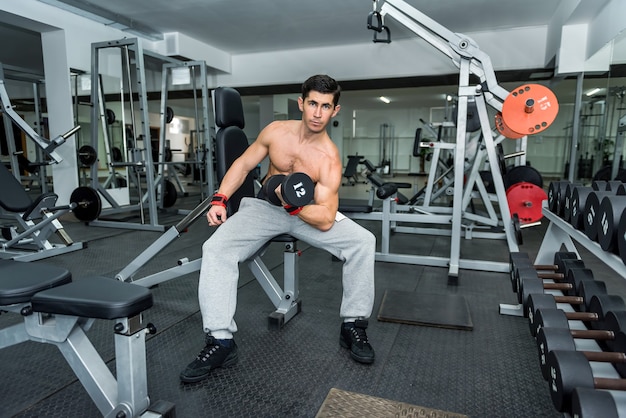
(530, 109)
(504, 129)
(525, 200)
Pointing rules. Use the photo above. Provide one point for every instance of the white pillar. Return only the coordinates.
(60, 111)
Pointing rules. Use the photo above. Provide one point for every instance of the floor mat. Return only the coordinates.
(344, 404)
(444, 311)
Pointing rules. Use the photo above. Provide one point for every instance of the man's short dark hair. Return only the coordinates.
(322, 84)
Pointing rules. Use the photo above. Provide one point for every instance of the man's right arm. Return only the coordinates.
(236, 175)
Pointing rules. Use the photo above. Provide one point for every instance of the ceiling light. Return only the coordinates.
(592, 92)
(384, 99)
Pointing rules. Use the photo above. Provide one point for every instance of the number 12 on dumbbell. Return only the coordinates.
(299, 190)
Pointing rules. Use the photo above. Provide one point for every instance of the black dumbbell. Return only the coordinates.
(577, 205)
(297, 189)
(567, 282)
(609, 214)
(593, 403)
(555, 196)
(523, 259)
(571, 369)
(517, 259)
(567, 200)
(580, 302)
(549, 339)
(562, 262)
(590, 218)
(596, 316)
(529, 285)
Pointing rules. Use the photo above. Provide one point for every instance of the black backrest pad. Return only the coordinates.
(13, 197)
(19, 281)
(353, 164)
(231, 141)
(416, 142)
(228, 108)
(94, 297)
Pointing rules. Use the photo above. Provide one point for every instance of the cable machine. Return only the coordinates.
(536, 114)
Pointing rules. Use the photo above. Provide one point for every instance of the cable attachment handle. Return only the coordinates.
(374, 19)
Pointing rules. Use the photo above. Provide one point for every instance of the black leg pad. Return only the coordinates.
(20, 281)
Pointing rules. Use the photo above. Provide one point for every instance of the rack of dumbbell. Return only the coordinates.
(578, 326)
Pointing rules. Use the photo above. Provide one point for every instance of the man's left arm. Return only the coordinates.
(321, 213)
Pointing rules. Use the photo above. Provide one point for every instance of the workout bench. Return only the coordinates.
(230, 143)
(30, 222)
(58, 311)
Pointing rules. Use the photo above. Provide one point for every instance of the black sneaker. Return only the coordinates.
(353, 336)
(212, 356)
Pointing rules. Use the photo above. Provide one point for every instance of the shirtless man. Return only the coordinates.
(292, 146)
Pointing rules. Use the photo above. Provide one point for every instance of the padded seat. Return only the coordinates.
(20, 281)
(284, 238)
(94, 297)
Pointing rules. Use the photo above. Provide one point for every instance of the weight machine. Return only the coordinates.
(46, 146)
(192, 73)
(535, 115)
(139, 161)
(18, 159)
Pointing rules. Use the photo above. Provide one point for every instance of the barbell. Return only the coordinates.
(89, 205)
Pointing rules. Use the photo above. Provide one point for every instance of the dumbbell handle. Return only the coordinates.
(558, 286)
(553, 276)
(605, 356)
(572, 300)
(581, 316)
(593, 334)
(609, 384)
(552, 267)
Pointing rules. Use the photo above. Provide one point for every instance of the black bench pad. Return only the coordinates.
(19, 281)
(94, 297)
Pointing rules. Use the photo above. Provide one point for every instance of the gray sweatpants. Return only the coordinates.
(244, 233)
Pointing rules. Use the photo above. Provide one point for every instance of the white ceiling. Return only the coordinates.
(242, 26)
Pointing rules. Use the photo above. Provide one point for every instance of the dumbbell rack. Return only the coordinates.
(561, 234)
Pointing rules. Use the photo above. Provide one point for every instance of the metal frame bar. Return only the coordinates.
(125, 393)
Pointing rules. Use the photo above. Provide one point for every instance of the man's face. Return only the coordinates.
(317, 110)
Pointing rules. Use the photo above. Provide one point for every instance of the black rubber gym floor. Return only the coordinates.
(489, 371)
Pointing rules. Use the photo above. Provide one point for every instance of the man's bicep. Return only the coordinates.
(255, 153)
(326, 196)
